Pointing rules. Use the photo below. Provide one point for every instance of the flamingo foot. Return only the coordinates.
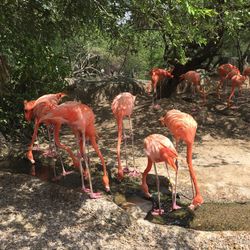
(197, 201)
(157, 212)
(95, 195)
(65, 173)
(86, 190)
(175, 207)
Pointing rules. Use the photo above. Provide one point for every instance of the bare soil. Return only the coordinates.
(221, 158)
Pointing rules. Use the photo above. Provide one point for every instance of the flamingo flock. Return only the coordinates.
(80, 118)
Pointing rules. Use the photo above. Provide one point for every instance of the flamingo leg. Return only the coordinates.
(158, 211)
(60, 145)
(197, 200)
(173, 189)
(144, 185)
(125, 143)
(49, 153)
(64, 172)
(132, 136)
(174, 205)
(231, 95)
(120, 170)
(80, 141)
(105, 178)
(133, 173)
(92, 194)
(169, 179)
(34, 136)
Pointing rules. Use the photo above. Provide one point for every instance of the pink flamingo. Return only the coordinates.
(237, 81)
(159, 148)
(33, 109)
(183, 127)
(122, 106)
(223, 71)
(194, 78)
(81, 119)
(158, 75)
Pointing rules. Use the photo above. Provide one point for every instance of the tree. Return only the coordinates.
(192, 31)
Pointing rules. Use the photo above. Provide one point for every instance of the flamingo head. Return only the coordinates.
(28, 109)
(60, 95)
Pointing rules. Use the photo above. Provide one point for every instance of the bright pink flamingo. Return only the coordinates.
(81, 119)
(223, 71)
(123, 106)
(159, 148)
(33, 109)
(194, 78)
(158, 75)
(237, 81)
(183, 127)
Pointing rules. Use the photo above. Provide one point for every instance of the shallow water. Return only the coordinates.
(209, 217)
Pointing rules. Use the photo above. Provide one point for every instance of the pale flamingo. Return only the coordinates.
(122, 106)
(223, 71)
(81, 119)
(183, 127)
(33, 110)
(159, 148)
(237, 81)
(246, 71)
(194, 78)
(158, 75)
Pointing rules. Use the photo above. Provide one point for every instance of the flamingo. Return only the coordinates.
(246, 71)
(237, 81)
(223, 71)
(183, 127)
(158, 75)
(33, 109)
(159, 148)
(81, 119)
(122, 106)
(194, 78)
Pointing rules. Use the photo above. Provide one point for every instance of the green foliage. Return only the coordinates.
(42, 39)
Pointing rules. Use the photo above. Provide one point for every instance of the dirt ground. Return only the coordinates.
(221, 154)
(38, 214)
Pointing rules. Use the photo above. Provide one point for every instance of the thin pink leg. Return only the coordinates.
(92, 195)
(60, 145)
(174, 205)
(120, 170)
(144, 185)
(158, 211)
(105, 178)
(133, 173)
(34, 136)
